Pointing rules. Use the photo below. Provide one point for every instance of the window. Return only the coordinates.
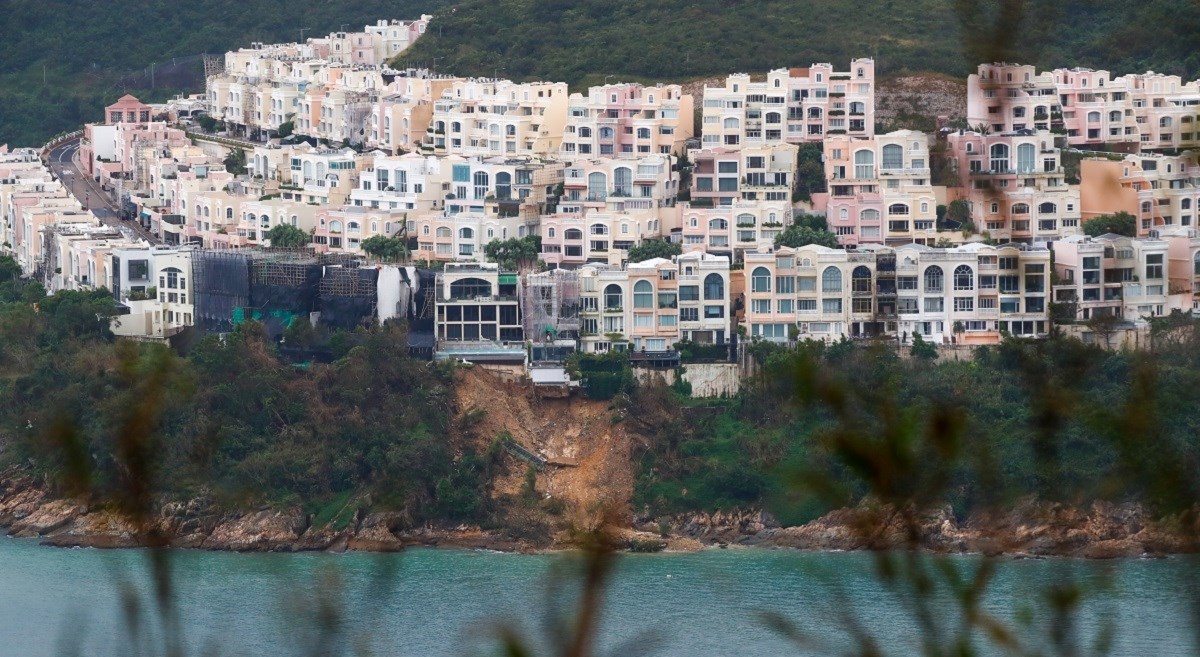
(597, 186)
(785, 284)
(1154, 266)
(964, 278)
(481, 184)
(933, 279)
(1026, 158)
(934, 305)
(831, 306)
(760, 281)
(689, 314)
(786, 306)
(893, 157)
(624, 181)
(999, 158)
(612, 297)
(643, 295)
(860, 279)
(761, 306)
(864, 164)
(714, 287)
(831, 280)
(897, 208)
(806, 306)
(689, 293)
(964, 304)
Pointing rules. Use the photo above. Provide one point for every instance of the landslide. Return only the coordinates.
(588, 482)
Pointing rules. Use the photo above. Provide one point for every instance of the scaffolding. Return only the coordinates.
(348, 296)
(551, 305)
(220, 286)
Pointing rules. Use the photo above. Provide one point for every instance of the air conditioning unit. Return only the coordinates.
(804, 327)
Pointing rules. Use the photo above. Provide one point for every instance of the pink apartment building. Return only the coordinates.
(1161, 191)
(627, 120)
(1015, 185)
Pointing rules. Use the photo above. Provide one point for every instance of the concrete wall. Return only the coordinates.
(707, 379)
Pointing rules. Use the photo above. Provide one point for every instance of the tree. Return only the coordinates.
(956, 215)
(1121, 223)
(386, 249)
(288, 236)
(514, 253)
(235, 162)
(650, 249)
(810, 172)
(286, 128)
(206, 122)
(923, 350)
(807, 229)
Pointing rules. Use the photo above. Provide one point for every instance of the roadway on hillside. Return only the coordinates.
(64, 163)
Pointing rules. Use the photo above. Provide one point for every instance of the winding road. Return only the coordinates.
(64, 163)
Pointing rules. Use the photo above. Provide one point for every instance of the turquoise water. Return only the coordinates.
(432, 603)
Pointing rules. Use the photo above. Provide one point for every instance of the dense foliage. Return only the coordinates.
(232, 417)
(1121, 223)
(824, 425)
(673, 39)
(288, 236)
(807, 229)
(387, 249)
(650, 249)
(514, 253)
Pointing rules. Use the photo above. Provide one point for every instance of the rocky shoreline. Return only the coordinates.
(1101, 531)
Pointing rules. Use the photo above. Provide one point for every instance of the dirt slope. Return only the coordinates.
(575, 430)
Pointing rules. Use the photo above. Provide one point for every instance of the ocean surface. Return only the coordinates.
(442, 602)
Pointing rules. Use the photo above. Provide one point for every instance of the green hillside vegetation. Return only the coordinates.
(824, 426)
(94, 51)
(684, 39)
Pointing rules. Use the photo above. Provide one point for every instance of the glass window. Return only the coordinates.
(643, 295)
(831, 280)
(760, 281)
(933, 279)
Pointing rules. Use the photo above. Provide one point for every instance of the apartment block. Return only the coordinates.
(970, 294)
(650, 306)
(731, 230)
(463, 236)
(790, 106)
(400, 120)
(153, 286)
(721, 176)
(1015, 185)
(411, 182)
(627, 120)
(646, 185)
(1119, 276)
(571, 240)
(1161, 191)
(344, 229)
(487, 117)
(1183, 262)
(879, 189)
(478, 314)
(1092, 108)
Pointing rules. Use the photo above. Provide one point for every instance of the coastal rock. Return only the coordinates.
(98, 529)
(47, 517)
(376, 533)
(266, 530)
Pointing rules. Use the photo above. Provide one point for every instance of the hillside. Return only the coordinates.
(682, 39)
(110, 52)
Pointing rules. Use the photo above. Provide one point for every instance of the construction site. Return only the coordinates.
(550, 309)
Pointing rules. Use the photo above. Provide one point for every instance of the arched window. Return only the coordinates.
(605, 133)
(897, 208)
(1146, 207)
(934, 279)
(613, 297)
(1164, 122)
(172, 278)
(455, 127)
(643, 133)
(999, 157)
(1093, 117)
(1047, 208)
(308, 171)
(860, 279)
(469, 288)
(893, 157)
(598, 229)
(745, 220)
(844, 214)
(864, 164)
(597, 186)
(718, 224)
(206, 215)
(774, 117)
(1020, 208)
(869, 215)
(334, 226)
(466, 233)
(731, 123)
(264, 220)
(503, 186)
(573, 234)
(760, 281)
(831, 280)
(443, 232)
(714, 287)
(964, 278)
(1185, 204)
(1026, 158)
(643, 295)
(229, 213)
(1018, 112)
(623, 185)
(481, 184)
(550, 232)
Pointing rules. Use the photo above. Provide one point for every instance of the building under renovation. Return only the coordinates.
(550, 308)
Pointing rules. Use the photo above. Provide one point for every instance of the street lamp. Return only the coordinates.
(302, 31)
